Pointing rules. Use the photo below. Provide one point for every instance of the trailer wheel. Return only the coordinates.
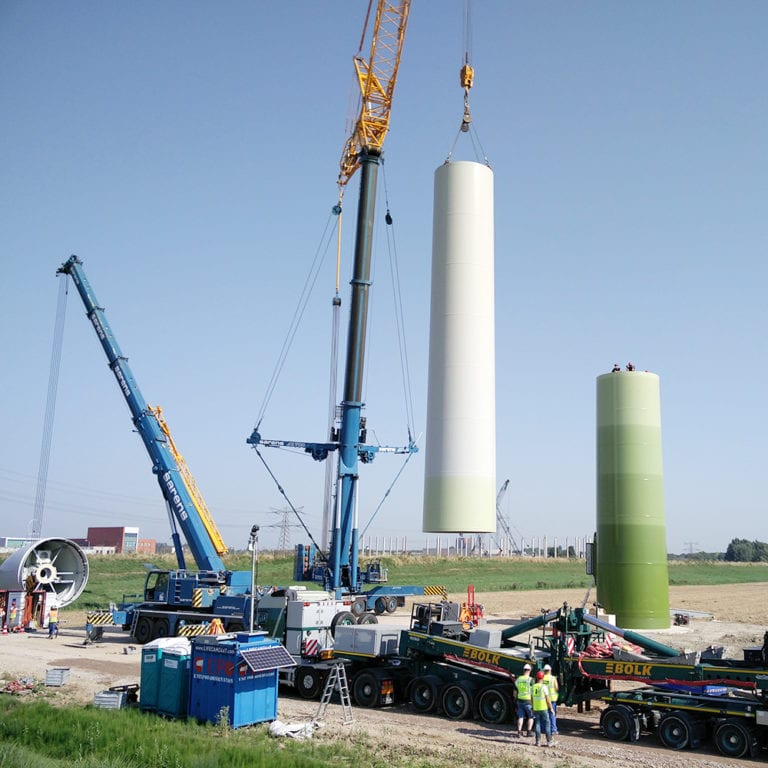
(620, 723)
(344, 618)
(494, 705)
(424, 693)
(677, 730)
(391, 604)
(457, 700)
(368, 618)
(143, 631)
(380, 605)
(235, 626)
(309, 682)
(358, 606)
(365, 690)
(734, 739)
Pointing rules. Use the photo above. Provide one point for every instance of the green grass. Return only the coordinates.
(37, 735)
(113, 576)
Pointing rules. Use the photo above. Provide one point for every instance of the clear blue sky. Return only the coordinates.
(187, 152)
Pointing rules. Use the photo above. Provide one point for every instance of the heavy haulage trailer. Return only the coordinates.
(439, 666)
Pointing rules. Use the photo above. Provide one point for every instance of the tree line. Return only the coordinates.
(745, 551)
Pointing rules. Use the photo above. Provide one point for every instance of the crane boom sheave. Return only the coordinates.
(376, 79)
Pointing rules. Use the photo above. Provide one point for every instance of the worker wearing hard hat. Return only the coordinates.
(524, 709)
(551, 682)
(542, 706)
(53, 621)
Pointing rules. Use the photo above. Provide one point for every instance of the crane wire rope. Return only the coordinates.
(298, 314)
(50, 410)
(402, 345)
(397, 295)
(467, 78)
(289, 502)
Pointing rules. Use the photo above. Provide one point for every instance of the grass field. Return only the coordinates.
(112, 576)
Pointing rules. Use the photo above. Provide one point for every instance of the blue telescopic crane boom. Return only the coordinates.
(175, 492)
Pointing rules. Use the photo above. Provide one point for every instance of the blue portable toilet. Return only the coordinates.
(236, 675)
(151, 668)
(150, 677)
(173, 688)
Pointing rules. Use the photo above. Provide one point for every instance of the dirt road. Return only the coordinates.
(733, 616)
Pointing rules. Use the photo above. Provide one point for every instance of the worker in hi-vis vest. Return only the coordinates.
(541, 709)
(53, 621)
(551, 682)
(524, 711)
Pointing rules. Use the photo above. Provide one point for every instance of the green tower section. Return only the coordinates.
(631, 547)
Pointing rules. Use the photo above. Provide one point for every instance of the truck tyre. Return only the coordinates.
(368, 618)
(620, 723)
(457, 701)
(235, 626)
(309, 682)
(678, 730)
(735, 739)
(494, 705)
(365, 690)
(161, 628)
(424, 693)
(391, 604)
(358, 606)
(143, 631)
(380, 605)
(345, 618)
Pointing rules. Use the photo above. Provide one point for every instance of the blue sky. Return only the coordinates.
(188, 153)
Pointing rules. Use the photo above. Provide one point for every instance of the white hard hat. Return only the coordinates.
(547, 668)
(527, 666)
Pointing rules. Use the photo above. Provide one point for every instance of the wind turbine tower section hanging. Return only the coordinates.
(460, 454)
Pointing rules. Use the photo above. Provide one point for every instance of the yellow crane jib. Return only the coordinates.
(189, 481)
(376, 78)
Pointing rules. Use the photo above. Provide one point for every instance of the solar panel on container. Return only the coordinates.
(272, 657)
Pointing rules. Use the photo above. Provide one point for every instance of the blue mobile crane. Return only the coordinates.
(338, 569)
(171, 598)
(188, 602)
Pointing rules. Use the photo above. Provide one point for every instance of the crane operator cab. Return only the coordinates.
(156, 587)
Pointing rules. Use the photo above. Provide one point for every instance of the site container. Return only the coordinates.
(235, 678)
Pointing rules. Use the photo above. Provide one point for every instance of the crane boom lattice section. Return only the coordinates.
(191, 483)
(376, 78)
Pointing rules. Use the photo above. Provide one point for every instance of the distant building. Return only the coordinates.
(146, 546)
(124, 540)
(13, 542)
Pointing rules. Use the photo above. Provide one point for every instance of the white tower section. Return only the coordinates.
(460, 471)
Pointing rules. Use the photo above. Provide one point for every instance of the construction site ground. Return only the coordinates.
(733, 616)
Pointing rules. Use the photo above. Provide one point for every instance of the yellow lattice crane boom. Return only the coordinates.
(376, 77)
(189, 481)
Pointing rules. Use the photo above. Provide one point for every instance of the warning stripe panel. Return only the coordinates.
(100, 619)
(436, 589)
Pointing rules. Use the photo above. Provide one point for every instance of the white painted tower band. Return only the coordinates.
(460, 455)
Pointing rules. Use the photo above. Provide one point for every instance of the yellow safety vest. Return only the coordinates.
(540, 697)
(523, 685)
(551, 683)
(53, 614)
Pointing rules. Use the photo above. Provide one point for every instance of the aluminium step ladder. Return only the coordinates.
(336, 680)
